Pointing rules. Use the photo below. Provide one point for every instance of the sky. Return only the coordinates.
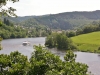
(43, 7)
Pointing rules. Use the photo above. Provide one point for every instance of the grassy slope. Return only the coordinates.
(88, 42)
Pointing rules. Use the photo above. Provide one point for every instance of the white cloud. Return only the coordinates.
(40, 7)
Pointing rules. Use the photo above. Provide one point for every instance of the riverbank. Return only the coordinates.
(90, 51)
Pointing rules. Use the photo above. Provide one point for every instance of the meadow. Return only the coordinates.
(88, 42)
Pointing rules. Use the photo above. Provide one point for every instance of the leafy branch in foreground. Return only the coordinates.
(42, 62)
(5, 10)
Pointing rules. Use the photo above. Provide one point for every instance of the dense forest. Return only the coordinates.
(9, 30)
(64, 21)
(60, 41)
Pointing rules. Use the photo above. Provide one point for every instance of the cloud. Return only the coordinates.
(40, 7)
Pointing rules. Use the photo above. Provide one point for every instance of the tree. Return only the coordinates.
(6, 21)
(51, 40)
(9, 11)
(61, 41)
(71, 34)
(14, 64)
(79, 31)
(0, 43)
(19, 63)
(44, 62)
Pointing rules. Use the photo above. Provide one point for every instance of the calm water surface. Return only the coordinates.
(10, 45)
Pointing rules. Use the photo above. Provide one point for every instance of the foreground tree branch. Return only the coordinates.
(5, 10)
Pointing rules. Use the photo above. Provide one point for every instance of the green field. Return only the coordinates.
(88, 42)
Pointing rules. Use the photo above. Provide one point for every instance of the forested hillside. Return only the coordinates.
(18, 19)
(66, 20)
(9, 30)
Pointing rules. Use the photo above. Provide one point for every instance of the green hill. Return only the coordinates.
(66, 20)
(88, 42)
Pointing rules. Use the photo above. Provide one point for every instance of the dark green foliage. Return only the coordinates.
(63, 42)
(7, 22)
(70, 33)
(79, 31)
(0, 42)
(98, 48)
(84, 30)
(1, 23)
(12, 31)
(88, 29)
(18, 64)
(42, 62)
(60, 41)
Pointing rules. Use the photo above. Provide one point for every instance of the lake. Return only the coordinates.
(10, 45)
